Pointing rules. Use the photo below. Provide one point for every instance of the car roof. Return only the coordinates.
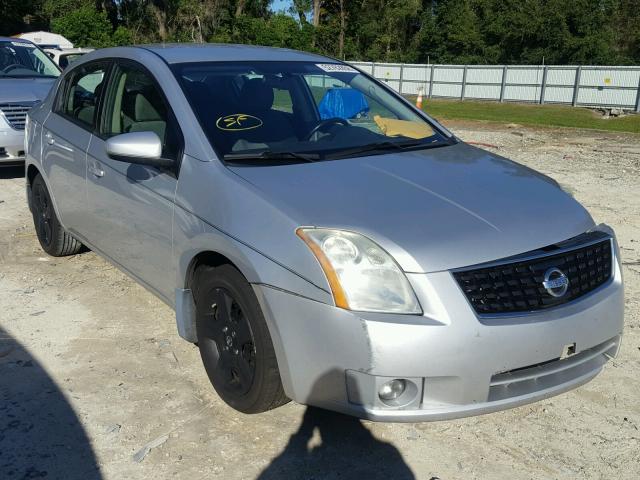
(73, 51)
(212, 52)
(15, 39)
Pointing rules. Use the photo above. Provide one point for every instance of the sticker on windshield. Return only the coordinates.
(336, 67)
(237, 122)
(23, 44)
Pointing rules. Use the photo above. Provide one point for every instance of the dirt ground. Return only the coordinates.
(93, 375)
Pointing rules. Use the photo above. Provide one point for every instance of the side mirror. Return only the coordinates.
(142, 148)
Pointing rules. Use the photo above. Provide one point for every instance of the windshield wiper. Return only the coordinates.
(259, 157)
(387, 145)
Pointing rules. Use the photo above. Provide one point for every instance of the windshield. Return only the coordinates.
(22, 59)
(299, 111)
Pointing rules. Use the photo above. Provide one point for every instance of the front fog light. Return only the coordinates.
(392, 389)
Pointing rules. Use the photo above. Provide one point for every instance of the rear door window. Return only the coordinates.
(82, 93)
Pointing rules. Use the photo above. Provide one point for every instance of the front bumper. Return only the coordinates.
(11, 145)
(459, 364)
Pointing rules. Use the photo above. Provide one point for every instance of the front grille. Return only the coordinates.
(16, 113)
(515, 285)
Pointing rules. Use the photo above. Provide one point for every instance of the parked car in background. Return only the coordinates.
(320, 238)
(63, 57)
(26, 76)
(46, 39)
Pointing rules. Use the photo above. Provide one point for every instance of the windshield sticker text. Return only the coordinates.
(237, 122)
(336, 67)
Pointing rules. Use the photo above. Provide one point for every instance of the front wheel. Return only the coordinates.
(234, 341)
(53, 238)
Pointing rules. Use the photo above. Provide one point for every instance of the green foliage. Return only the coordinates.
(460, 40)
(122, 36)
(84, 27)
(60, 8)
(439, 31)
(17, 16)
(278, 31)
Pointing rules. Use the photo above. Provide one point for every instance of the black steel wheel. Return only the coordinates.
(52, 236)
(42, 213)
(234, 341)
(230, 339)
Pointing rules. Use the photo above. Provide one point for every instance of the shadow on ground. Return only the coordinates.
(330, 445)
(40, 434)
(11, 172)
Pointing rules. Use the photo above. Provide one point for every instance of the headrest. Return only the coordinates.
(144, 110)
(98, 90)
(218, 84)
(256, 95)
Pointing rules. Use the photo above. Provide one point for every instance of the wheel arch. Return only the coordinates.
(188, 263)
(31, 173)
(241, 261)
(210, 258)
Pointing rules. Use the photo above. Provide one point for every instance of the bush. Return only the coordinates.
(122, 36)
(85, 27)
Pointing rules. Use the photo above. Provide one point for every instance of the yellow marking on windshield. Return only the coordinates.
(238, 122)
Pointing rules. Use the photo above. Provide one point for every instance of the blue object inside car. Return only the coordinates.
(343, 103)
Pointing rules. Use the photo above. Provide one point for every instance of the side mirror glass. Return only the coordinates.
(143, 148)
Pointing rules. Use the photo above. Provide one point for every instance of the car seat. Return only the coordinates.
(86, 113)
(256, 99)
(149, 115)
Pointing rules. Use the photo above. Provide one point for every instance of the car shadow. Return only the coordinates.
(330, 445)
(11, 172)
(40, 434)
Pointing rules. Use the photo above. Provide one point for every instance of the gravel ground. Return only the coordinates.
(96, 384)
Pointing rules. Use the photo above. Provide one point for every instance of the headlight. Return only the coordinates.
(362, 275)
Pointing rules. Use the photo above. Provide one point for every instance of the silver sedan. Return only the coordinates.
(319, 238)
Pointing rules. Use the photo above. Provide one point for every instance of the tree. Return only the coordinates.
(343, 27)
(300, 8)
(445, 31)
(317, 5)
(459, 39)
(17, 16)
(84, 27)
(627, 34)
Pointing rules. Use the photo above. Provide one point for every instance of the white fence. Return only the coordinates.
(610, 87)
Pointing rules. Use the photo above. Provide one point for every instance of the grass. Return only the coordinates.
(536, 115)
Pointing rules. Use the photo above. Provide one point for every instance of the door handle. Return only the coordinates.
(96, 170)
(50, 139)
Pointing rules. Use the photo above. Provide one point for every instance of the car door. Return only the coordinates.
(131, 204)
(65, 137)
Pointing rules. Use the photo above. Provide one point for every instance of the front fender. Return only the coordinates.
(255, 266)
(201, 237)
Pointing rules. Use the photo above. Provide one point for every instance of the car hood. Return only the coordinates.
(17, 90)
(434, 209)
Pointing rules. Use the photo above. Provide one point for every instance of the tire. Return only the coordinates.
(234, 341)
(53, 238)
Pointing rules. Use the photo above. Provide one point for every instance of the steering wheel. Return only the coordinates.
(13, 66)
(325, 123)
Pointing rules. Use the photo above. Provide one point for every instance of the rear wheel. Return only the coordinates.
(53, 238)
(234, 341)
